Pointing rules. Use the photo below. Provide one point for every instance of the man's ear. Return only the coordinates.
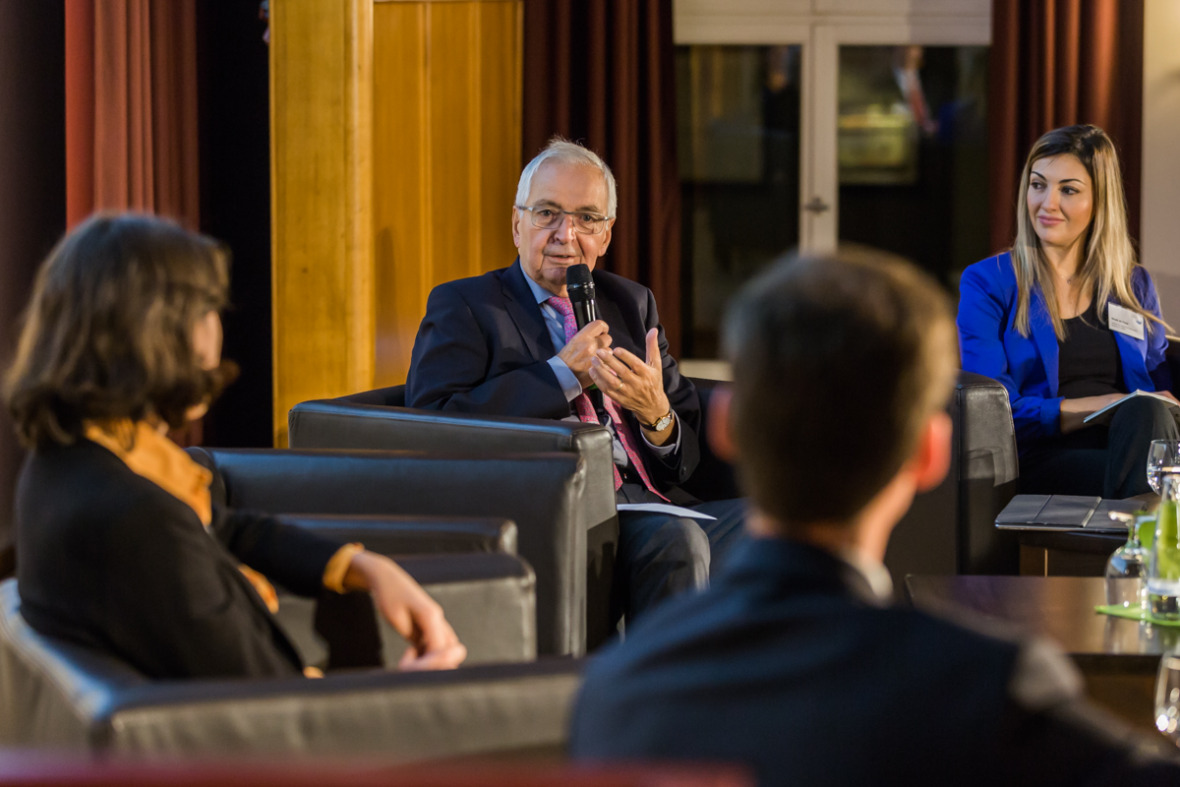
(720, 429)
(516, 216)
(932, 459)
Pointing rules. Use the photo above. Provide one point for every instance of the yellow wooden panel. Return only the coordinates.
(500, 132)
(447, 154)
(454, 111)
(321, 195)
(401, 182)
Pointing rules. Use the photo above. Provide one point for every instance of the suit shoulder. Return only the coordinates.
(470, 286)
(615, 282)
(92, 484)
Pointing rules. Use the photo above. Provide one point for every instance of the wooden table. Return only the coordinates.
(1117, 657)
(1069, 553)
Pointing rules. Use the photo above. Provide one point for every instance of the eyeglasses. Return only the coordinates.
(547, 218)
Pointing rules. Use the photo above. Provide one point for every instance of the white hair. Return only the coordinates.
(567, 152)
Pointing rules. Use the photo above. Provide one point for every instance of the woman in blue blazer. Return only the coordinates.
(1069, 323)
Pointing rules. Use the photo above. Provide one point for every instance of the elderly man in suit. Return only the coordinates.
(507, 343)
(794, 661)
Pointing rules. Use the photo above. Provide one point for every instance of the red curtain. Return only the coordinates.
(602, 73)
(1054, 63)
(131, 114)
(131, 108)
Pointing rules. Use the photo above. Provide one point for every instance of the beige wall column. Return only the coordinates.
(395, 148)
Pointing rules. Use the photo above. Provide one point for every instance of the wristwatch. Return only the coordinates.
(661, 423)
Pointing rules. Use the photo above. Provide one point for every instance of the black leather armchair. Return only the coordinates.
(541, 492)
(951, 528)
(573, 555)
(64, 696)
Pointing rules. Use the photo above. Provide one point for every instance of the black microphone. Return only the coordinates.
(581, 294)
(580, 287)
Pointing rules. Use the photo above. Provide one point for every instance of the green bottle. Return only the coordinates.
(1163, 580)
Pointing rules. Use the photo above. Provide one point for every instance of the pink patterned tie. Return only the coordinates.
(586, 409)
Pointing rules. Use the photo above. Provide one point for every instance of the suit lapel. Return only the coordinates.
(523, 309)
(1045, 338)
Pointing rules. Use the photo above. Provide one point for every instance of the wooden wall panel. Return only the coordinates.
(446, 155)
(321, 196)
(395, 153)
(401, 182)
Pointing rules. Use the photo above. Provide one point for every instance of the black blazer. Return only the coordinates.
(483, 347)
(108, 559)
(789, 665)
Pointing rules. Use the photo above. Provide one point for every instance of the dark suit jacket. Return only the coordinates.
(483, 348)
(110, 560)
(787, 664)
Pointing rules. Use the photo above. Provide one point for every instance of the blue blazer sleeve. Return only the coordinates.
(1157, 340)
(989, 344)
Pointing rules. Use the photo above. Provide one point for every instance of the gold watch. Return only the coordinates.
(661, 423)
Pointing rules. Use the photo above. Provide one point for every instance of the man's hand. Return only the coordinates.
(633, 384)
(580, 350)
(411, 612)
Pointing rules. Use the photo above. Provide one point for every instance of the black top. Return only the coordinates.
(1088, 362)
(109, 560)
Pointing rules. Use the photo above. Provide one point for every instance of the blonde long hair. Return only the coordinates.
(1109, 258)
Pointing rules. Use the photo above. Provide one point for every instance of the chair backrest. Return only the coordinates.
(714, 478)
(951, 528)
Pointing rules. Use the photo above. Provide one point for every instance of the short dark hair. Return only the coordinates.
(108, 333)
(838, 362)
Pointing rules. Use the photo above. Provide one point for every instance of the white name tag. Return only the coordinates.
(1125, 321)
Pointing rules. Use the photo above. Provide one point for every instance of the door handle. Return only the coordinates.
(817, 205)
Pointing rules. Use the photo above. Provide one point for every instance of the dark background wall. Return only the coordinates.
(32, 183)
(234, 116)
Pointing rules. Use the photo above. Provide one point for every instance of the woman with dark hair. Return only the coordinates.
(1070, 323)
(118, 545)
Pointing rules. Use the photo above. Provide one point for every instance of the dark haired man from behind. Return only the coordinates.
(794, 662)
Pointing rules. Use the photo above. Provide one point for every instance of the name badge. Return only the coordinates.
(1125, 321)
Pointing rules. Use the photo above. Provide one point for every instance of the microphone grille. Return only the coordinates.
(577, 275)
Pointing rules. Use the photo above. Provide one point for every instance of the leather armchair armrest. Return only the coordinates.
(406, 716)
(414, 535)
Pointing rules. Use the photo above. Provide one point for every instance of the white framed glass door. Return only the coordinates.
(877, 106)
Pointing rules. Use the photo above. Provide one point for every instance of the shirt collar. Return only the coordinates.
(874, 572)
(539, 292)
(149, 454)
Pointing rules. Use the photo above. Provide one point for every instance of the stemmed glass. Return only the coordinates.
(1162, 457)
(1167, 697)
(1126, 570)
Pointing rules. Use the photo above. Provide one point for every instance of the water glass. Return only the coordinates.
(1163, 457)
(1126, 570)
(1167, 697)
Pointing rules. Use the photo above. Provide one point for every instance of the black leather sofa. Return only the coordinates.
(949, 530)
(61, 696)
